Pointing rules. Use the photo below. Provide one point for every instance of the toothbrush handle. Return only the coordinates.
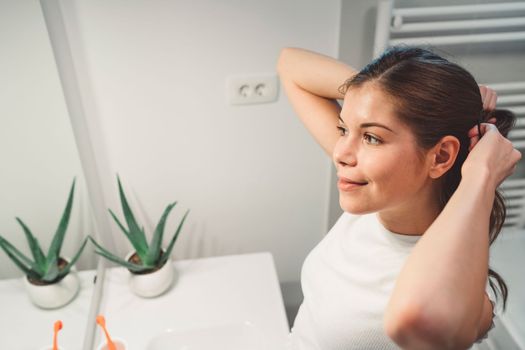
(111, 345)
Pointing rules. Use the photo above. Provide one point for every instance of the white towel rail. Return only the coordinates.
(402, 21)
(511, 99)
(461, 39)
(459, 9)
(519, 144)
(512, 221)
(517, 133)
(513, 183)
(519, 111)
(400, 27)
(515, 192)
(503, 87)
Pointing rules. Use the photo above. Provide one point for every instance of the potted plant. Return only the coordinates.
(151, 272)
(50, 280)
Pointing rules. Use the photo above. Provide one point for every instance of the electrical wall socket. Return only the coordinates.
(250, 89)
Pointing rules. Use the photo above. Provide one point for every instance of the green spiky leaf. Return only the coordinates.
(156, 241)
(108, 255)
(58, 238)
(136, 235)
(73, 261)
(149, 255)
(37, 252)
(52, 270)
(133, 242)
(166, 255)
(19, 259)
(44, 268)
(10, 249)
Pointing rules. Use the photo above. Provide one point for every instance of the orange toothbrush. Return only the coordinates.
(57, 327)
(102, 322)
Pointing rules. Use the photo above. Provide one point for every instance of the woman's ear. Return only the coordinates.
(443, 155)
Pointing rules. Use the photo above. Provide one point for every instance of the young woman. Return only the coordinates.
(406, 265)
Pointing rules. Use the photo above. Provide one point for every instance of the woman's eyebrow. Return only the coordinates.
(367, 125)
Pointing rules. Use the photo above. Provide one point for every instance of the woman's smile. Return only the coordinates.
(346, 185)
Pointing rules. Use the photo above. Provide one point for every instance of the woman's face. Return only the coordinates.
(376, 156)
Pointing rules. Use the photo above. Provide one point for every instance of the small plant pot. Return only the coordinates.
(54, 295)
(152, 284)
(120, 344)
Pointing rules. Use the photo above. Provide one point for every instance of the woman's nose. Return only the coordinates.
(345, 152)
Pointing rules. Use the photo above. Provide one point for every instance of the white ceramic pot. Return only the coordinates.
(52, 296)
(149, 285)
(120, 344)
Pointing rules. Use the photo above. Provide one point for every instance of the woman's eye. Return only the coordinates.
(342, 131)
(371, 139)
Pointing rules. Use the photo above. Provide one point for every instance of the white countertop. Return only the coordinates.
(208, 292)
(24, 326)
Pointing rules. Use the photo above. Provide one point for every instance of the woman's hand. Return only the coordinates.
(493, 155)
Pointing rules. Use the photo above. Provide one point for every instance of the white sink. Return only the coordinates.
(235, 336)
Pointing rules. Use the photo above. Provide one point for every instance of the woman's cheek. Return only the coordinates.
(378, 168)
(388, 171)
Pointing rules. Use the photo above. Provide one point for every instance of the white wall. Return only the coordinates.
(252, 176)
(38, 156)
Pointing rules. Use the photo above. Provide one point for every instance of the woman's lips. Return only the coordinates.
(348, 185)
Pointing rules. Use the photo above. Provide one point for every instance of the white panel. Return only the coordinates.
(253, 177)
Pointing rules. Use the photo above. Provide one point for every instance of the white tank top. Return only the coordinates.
(347, 280)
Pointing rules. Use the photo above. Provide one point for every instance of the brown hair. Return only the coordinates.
(428, 90)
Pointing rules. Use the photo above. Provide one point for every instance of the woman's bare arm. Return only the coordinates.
(311, 81)
(439, 300)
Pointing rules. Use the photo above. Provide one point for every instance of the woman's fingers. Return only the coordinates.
(483, 92)
(493, 151)
(473, 132)
(488, 97)
(493, 100)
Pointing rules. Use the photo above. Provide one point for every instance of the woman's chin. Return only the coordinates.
(354, 207)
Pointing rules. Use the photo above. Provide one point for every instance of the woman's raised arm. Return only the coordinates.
(439, 299)
(311, 81)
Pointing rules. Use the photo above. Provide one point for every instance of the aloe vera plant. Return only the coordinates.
(50, 268)
(150, 256)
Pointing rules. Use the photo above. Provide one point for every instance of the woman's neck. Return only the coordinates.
(412, 218)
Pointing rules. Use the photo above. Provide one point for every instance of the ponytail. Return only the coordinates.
(505, 121)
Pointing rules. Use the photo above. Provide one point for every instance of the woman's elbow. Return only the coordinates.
(411, 329)
(405, 327)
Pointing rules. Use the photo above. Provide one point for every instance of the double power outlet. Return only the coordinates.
(251, 89)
